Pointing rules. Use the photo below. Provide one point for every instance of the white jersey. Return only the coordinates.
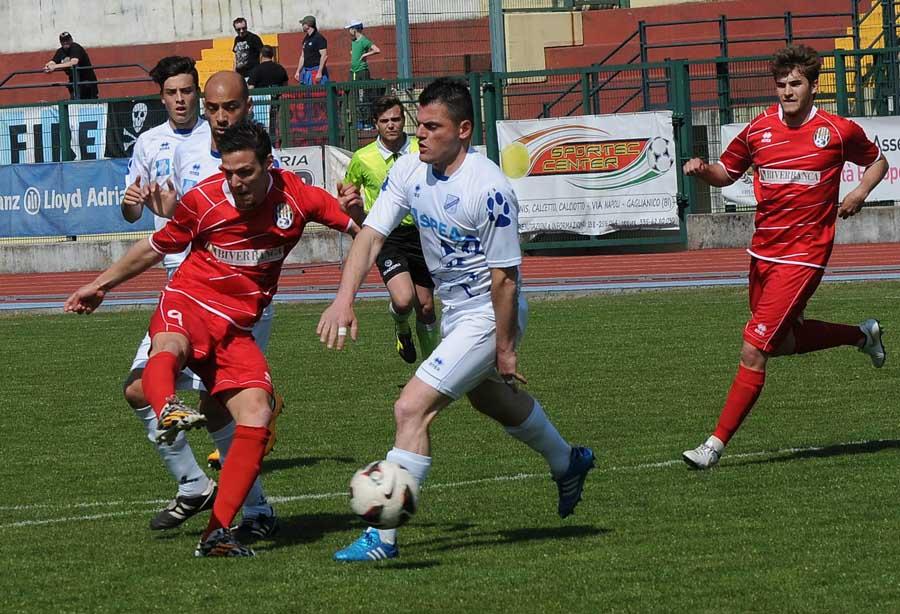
(194, 161)
(152, 161)
(468, 223)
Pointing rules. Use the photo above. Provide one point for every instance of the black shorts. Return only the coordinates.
(402, 253)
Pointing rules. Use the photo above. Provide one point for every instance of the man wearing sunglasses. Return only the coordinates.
(247, 46)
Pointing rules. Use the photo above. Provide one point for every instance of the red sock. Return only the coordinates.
(241, 468)
(743, 394)
(812, 335)
(158, 379)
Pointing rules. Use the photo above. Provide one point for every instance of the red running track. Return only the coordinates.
(877, 257)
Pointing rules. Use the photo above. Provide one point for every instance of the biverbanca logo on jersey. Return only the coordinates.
(284, 216)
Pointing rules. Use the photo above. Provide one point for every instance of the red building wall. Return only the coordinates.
(451, 47)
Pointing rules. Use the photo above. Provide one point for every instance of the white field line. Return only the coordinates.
(142, 507)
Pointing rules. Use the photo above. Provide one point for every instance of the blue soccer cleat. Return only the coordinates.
(368, 547)
(571, 484)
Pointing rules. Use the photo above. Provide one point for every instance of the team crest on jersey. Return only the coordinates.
(284, 216)
(451, 203)
(822, 137)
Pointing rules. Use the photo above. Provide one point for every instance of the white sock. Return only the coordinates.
(539, 434)
(178, 457)
(256, 503)
(715, 443)
(418, 467)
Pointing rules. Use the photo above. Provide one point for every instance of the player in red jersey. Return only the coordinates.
(797, 151)
(240, 224)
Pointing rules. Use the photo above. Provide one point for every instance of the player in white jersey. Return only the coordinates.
(152, 183)
(149, 172)
(467, 215)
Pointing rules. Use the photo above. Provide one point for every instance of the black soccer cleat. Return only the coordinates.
(181, 508)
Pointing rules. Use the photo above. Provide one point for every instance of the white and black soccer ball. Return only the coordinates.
(660, 154)
(384, 495)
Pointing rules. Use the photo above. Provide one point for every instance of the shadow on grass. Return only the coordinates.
(307, 528)
(512, 536)
(844, 449)
(278, 464)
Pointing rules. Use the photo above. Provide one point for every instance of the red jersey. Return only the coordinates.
(236, 256)
(796, 181)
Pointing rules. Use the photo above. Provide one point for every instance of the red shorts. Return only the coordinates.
(224, 356)
(778, 296)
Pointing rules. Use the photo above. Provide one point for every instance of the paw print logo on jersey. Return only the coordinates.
(498, 209)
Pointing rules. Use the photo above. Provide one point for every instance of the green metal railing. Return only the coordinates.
(702, 95)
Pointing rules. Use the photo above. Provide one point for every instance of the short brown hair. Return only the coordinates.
(803, 58)
(383, 104)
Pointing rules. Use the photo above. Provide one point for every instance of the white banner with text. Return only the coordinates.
(594, 174)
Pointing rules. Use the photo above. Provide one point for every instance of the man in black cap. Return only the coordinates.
(311, 65)
(72, 55)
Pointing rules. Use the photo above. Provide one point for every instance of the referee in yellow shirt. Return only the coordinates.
(401, 262)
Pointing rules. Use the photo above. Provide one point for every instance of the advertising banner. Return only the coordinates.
(31, 134)
(308, 163)
(64, 199)
(884, 131)
(594, 174)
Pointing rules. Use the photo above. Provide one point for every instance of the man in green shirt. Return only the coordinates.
(401, 262)
(361, 48)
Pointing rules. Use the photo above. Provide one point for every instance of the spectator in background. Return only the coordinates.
(247, 47)
(311, 65)
(72, 55)
(360, 49)
(269, 73)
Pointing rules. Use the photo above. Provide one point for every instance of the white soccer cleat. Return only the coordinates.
(873, 345)
(703, 456)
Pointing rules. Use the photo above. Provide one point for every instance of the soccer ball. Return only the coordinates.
(384, 495)
(659, 157)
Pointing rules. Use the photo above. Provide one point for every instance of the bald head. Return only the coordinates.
(226, 83)
(226, 101)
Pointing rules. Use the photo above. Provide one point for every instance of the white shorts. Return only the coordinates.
(187, 379)
(467, 354)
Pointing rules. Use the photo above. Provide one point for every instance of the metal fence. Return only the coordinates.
(702, 94)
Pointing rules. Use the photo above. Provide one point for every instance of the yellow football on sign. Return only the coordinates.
(514, 160)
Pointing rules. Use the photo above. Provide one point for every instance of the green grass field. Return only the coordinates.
(801, 514)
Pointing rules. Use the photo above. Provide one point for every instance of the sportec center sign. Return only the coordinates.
(884, 131)
(594, 174)
(82, 198)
